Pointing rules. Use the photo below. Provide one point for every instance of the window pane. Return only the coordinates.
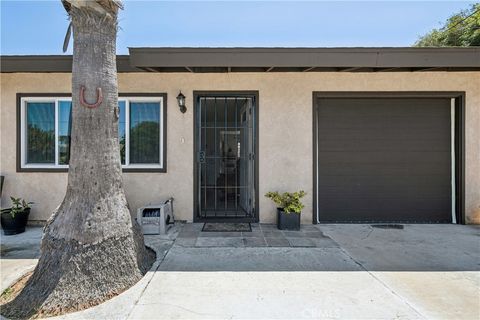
(64, 131)
(40, 135)
(144, 132)
(121, 129)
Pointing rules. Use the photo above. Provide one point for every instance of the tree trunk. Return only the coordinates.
(92, 249)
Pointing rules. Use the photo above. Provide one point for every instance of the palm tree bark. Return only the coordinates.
(92, 249)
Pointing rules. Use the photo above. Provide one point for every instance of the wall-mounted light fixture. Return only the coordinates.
(181, 102)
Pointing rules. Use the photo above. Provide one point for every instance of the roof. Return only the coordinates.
(166, 59)
(52, 63)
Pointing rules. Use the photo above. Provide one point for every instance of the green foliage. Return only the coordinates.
(6, 293)
(461, 29)
(19, 205)
(41, 145)
(289, 202)
(144, 142)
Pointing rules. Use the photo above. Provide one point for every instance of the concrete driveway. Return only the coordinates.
(353, 271)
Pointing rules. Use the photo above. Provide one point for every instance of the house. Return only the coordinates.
(371, 134)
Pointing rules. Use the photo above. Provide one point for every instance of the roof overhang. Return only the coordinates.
(268, 60)
(304, 59)
(52, 63)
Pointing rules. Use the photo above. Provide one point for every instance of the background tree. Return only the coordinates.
(91, 248)
(461, 29)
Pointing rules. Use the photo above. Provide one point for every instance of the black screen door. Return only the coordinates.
(225, 157)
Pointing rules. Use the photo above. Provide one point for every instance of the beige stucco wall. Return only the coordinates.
(285, 132)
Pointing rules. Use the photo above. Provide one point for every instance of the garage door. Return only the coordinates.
(384, 160)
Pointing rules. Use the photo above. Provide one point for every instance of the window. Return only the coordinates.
(46, 129)
(141, 132)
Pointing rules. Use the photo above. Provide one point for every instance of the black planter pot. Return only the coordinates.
(288, 221)
(14, 225)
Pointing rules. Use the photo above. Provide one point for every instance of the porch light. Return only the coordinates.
(181, 102)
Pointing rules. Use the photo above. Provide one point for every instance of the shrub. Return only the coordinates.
(288, 201)
(18, 206)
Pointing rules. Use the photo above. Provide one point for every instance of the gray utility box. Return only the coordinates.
(156, 218)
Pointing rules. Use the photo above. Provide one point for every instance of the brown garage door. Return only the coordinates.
(384, 160)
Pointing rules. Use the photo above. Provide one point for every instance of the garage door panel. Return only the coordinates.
(360, 210)
(381, 121)
(393, 171)
(380, 125)
(383, 107)
(403, 131)
(344, 181)
(362, 187)
(369, 144)
(384, 159)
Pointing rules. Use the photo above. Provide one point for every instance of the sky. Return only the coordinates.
(38, 27)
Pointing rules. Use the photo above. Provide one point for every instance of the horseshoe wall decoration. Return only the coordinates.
(88, 105)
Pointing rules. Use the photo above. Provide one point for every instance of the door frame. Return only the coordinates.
(228, 93)
(458, 96)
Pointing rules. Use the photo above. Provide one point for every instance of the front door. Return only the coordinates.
(225, 157)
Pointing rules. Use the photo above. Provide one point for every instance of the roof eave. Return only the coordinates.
(267, 60)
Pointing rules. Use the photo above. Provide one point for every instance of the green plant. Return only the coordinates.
(19, 205)
(288, 201)
(6, 293)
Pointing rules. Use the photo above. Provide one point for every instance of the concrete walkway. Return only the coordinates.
(421, 271)
(19, 254)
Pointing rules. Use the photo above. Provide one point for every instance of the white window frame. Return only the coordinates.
(23, 132)
(56, 165)
(127, 101)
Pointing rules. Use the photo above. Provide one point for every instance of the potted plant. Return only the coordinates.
(15, 219)
(289, 208)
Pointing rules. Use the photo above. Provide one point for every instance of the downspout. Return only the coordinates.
(452, 154)
(316, 166)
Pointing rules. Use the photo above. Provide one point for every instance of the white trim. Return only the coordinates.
(56, 165)
(161, 133)
(22, 132)
(127, 133)
(56, 132)
(452, 147)
(140, 99)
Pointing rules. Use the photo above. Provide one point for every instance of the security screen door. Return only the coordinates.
(225, 157)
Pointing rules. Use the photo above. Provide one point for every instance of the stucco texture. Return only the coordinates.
(285, 132)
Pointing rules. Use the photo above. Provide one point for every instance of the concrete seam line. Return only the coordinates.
(383, 284)
(158, 262)
(16, 279)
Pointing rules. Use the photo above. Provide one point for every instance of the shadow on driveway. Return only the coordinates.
(348, 247)
(339, 247)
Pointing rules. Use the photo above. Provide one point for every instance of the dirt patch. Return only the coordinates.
(11, 292)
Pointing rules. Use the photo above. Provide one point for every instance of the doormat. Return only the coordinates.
(227, 227)
(388, 226)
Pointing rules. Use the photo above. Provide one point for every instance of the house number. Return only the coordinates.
(201, 156)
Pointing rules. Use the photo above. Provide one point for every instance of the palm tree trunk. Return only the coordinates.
(91, 249)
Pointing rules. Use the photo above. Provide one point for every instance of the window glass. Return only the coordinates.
(64, 131)
(144, 132)
(40, 132)
(138, 130)
(121, 129)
